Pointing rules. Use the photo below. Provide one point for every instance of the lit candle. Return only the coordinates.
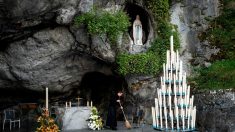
(46, 98)
(153, 116)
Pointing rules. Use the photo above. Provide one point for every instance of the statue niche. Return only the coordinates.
(137, 31)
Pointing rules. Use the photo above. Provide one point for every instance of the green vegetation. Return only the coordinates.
(100, 22)
(221, 34)
(144, 63)
(220, 74)
(151, 62)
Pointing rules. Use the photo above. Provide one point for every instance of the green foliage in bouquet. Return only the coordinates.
(95, 121)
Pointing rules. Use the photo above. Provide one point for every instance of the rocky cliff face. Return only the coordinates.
(40, 47)
(191, 18)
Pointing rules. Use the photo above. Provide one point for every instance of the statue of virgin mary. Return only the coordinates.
(137, 31)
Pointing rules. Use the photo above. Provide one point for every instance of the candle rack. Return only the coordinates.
(174, 110)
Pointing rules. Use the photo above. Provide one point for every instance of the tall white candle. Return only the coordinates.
(174, 85)
(177, 59)
(183, 120)
(165, 114)
(91, 104)
(47, 98)
(164, 101)
(177, 118)
(168, 60)
(153, 116)
(194, 122)
(170, 101)
(164, 72)
(192, 99)
(70, 104)
(87, 103)
(171, 116)
(160, 108)
(189, 118)
(66, 105)
(192, 115)
(156, 111)
(171, 43)
(181, 71)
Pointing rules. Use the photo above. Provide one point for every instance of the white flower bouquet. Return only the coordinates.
(95, 121)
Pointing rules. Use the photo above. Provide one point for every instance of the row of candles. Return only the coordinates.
(173, 68)
(181, 101)
(69, 104)
(173, 105)
(164, 118)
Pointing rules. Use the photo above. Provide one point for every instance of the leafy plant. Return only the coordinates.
(143, 63)
(101, 22)
(221, 34)
(220, 75)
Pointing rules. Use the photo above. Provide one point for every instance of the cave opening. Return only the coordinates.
(97, 86)
(133, 10)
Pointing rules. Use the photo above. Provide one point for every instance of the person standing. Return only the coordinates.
(112, 110)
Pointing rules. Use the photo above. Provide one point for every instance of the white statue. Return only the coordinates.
(137, 31)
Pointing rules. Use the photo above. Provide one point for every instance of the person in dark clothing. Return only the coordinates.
(112, 110)
(111, 117)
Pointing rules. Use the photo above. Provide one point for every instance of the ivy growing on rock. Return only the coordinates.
(100, 22)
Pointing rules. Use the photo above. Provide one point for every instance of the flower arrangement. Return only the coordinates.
(47, 124)
(95, 121)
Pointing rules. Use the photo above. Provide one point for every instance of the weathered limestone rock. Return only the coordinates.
(215, 111)
(66, 15)
(44, 60)
(190, 18)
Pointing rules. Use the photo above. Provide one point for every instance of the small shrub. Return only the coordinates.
(143, 63)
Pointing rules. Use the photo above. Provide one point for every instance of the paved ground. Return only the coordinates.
(121, 128)
(30, 127)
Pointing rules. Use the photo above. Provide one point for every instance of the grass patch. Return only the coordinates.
(220, 75)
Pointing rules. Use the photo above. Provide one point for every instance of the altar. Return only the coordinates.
(73, 118)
